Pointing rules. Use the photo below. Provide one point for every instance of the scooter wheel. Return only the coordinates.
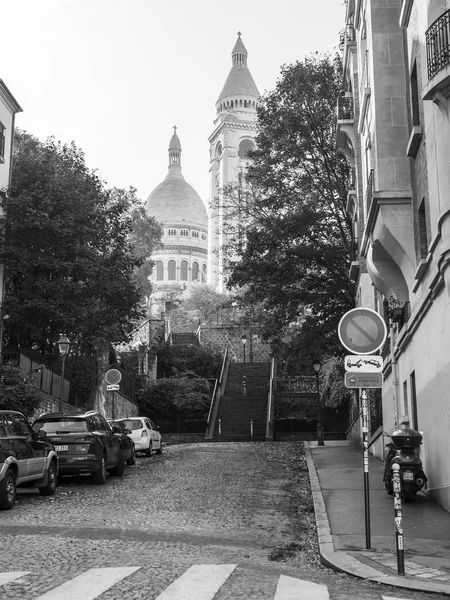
(408, 492)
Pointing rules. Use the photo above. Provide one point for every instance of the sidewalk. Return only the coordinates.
(337, 482)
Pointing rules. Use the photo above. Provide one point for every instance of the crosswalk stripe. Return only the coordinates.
(89, 585)
(199, 582)
(11, 576)
(290, 588)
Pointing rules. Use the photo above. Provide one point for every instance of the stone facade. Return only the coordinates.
(404, 133)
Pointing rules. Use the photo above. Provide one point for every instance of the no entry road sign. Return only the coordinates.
(362, 331)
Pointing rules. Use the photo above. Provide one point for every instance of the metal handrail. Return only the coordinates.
(217, 386)
(270, 403)
(437, 39)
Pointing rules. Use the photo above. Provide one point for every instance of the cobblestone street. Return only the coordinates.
(234, 504)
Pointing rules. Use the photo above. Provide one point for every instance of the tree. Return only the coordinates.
(176, 360)
(17, 392)
(72, 251)
(295, 254)
(204, 305)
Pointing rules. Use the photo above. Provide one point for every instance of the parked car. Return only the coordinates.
(27, 459)
(84, 443)
(144, 433)
(126, 443)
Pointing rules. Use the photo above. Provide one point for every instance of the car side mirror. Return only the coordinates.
(115, 429)
(127, 431)
(41, 434)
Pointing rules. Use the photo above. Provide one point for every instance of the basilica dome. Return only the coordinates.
(174, 201)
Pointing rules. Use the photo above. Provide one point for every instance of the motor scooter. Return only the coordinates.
(403, 450)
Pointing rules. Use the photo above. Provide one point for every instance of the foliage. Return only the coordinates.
(73, 253)
(204, 305)
(174, 360)
(172, 400)
(17, 392)
(294, 256)
(332, 386)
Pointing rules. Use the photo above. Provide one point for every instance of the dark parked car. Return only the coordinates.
(84, 443)
(26, 459)
(126, 443)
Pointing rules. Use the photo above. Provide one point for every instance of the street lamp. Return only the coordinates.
(63, 345)
(244, 341)
(320, 436)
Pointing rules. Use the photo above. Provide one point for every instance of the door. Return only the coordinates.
(20, 442)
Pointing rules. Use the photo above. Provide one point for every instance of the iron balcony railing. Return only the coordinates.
(345, 110)
(438, 44)
(369, 192)
(2, 145)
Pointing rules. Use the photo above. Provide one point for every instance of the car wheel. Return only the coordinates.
(159, 451)
(132, 460)
(149, 450)
(8, 490)
(99, 477)
(52, 481)
(118, 470)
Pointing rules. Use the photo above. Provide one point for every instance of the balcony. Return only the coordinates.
(438, 58)
(369, 194)
(345, 117)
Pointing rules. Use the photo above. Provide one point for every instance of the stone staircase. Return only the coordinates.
(242, 412)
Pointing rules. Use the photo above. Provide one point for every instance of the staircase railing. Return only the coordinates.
(215, 399)
(271, 401)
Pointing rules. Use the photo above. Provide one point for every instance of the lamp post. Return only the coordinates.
(320, 437)
(244, 341)
(63, 345)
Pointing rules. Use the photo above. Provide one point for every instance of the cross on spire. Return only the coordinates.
(174, 130)
(239, 33)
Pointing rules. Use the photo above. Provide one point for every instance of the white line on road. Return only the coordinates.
(290, 588)
(89, 585)
(11, 576)
(199, 582)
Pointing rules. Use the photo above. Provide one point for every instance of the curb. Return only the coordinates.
(344, 562)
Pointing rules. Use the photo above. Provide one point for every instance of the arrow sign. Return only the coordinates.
(367, 363)
(363, 380)
(112, 387)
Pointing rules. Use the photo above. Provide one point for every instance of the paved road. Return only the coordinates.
(201, 521)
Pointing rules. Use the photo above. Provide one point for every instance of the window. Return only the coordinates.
(2, 140)
(204, 273)
(414, 415)
(172, 232)
(159, 270)
(203, 236)
(244, 147)
(195, 234)
(184, 270)
(405, 397)
(423, 234)
(19, 425)
(172, 270)
(184, 232)
(415, 112)
(195, 271)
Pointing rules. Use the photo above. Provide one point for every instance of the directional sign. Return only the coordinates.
(112, 387)
(367, 363)
(362, 331)
(363, 380)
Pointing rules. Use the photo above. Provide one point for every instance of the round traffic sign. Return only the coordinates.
(362, 331)
(113, 376)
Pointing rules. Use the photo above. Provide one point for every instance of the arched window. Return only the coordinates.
(244, 147)
(195, 271)
(204, 273)
(172, 232)
(159, 270)
(203, 236)
(172, 270)
(195, 234)
(184, 232)
(184, 270)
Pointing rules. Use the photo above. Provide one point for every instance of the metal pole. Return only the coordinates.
(365, 432)
(112, 404)
(61, 391)
(320, 434)
(398, 518)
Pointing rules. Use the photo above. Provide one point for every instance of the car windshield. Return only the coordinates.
(61, 425)
(132, 424)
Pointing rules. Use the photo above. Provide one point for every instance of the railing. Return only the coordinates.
(2, 145)
(348, 35)
(352, 179)
(369, 192)
(214, 398)
(345, 111)
(438, 44)
(364, 74)
(270, 401)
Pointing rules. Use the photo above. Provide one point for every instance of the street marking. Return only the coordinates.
(11, 576)
(89, 585)
(290, 588)
(199, 582)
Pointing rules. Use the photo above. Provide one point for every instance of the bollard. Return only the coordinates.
(398, 518)
(220, 427)
(365, 435)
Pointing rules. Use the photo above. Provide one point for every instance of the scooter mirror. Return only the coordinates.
(421, 433)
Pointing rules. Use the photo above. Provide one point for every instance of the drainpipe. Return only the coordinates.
(394, 378)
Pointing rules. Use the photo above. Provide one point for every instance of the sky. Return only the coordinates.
(115, 76)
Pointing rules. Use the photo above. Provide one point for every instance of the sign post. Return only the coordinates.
(362, 331)
(113, 377)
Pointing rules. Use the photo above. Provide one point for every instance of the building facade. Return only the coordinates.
(393, 124)
(182, 259)
(233, 136)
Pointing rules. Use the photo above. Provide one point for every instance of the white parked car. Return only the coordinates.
(144, 433)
